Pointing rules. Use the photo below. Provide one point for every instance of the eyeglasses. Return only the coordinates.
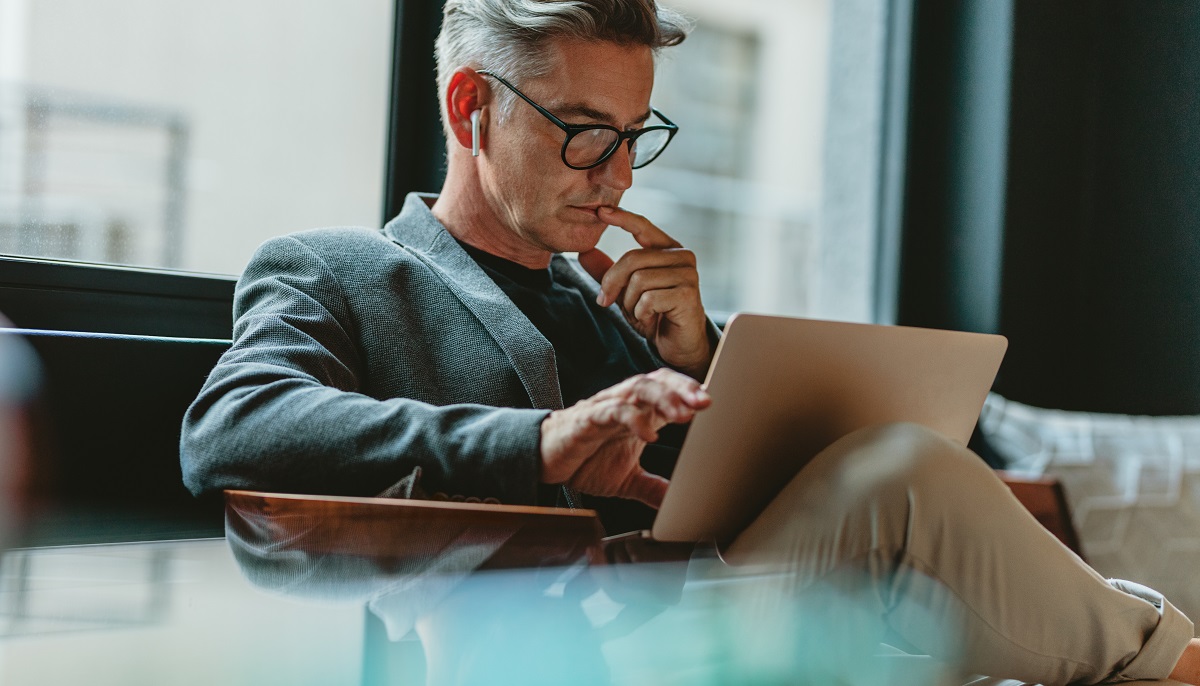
(590, 145)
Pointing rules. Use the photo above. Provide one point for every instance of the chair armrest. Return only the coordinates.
(396, 529)
(1046, 500)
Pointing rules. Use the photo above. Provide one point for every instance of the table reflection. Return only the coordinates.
(495, 595)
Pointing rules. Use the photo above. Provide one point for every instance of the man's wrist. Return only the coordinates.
(698, 372)
(712, 336)
(548, 440)
(699, 369)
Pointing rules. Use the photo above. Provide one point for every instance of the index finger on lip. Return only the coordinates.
(643, 230)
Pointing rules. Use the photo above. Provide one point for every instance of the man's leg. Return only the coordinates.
(956, 566)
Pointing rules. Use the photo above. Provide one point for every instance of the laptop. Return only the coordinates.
(783, 389)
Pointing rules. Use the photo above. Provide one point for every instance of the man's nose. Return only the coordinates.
(617, 171)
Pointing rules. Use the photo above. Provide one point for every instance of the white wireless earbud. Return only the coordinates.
(475, 133)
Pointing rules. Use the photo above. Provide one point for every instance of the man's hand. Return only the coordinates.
(657, 288)
(594, 445)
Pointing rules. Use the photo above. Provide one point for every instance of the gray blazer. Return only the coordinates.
(359, 354)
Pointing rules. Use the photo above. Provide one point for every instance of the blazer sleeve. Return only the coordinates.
(282, 409)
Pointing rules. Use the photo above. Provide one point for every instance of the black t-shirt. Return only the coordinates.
(591, 356)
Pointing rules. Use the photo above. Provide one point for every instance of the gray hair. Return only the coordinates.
(509, 36)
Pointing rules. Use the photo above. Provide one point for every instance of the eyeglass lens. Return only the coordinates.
(587, 147)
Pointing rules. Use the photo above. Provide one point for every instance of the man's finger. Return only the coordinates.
(643, 230)
(693, 392)
(596, 263)
(651, 304)
(660, 388)
(622, 272)
(647, 488)
(674, 396)
(655, 279)
(640, 421)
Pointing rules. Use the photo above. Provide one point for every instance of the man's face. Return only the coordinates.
(532, 193)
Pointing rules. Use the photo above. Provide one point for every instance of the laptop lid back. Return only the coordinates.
(784, 389)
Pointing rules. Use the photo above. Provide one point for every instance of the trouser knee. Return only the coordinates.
(898, 461)
(864, 493)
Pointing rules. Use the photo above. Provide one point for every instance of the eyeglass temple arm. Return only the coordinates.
(548, 114)
(663, 117)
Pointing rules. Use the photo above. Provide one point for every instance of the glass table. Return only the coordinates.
(362, 591)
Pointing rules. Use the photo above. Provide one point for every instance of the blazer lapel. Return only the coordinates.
(532, 356)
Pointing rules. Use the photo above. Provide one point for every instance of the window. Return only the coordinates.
(181, 134)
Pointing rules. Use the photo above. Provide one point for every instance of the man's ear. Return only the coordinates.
(466, 92)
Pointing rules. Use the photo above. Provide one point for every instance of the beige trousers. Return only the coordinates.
(919, 531)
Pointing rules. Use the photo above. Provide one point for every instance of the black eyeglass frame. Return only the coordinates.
(573, 130)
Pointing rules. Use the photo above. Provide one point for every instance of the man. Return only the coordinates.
(459, 340)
